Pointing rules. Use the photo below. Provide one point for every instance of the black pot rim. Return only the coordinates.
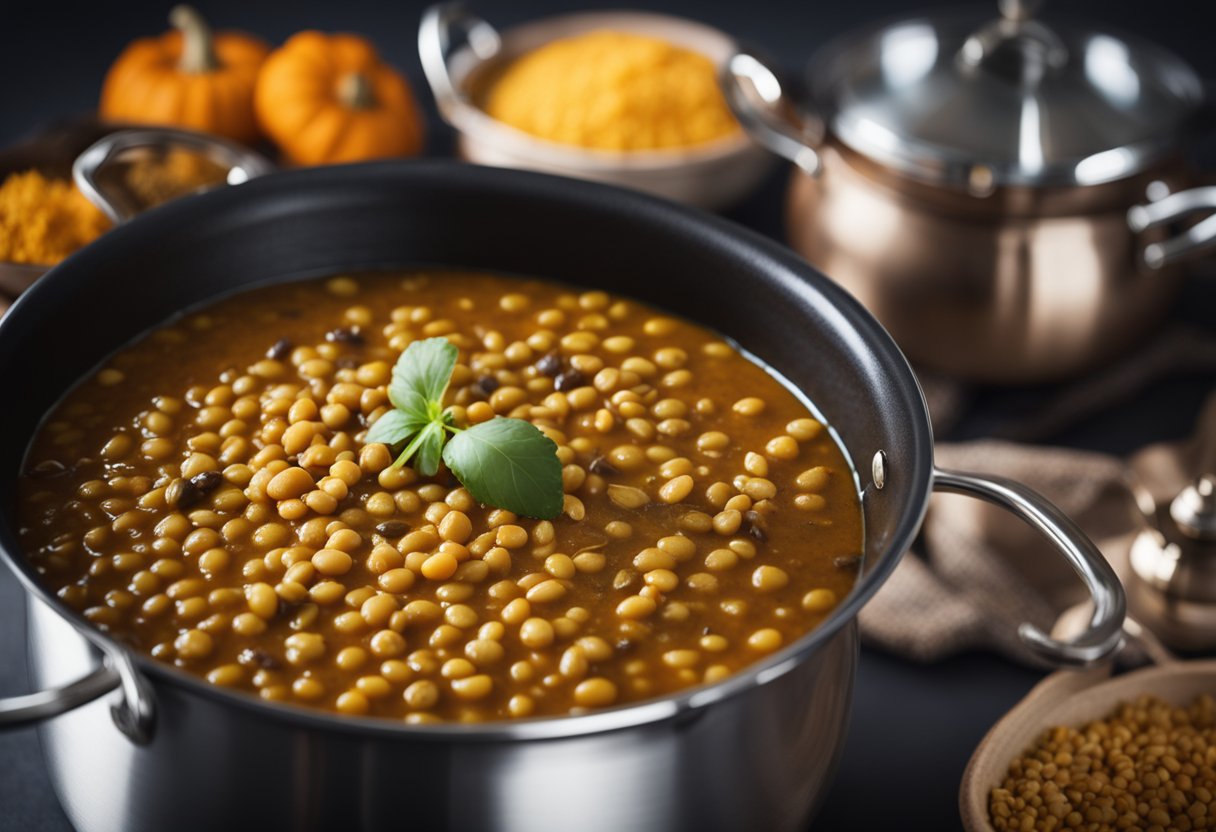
(915, 462)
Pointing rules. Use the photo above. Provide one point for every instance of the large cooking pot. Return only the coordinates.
(166, 750)
(977, 184)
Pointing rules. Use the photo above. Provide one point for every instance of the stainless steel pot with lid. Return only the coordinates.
(976, 182)
(1013, 102)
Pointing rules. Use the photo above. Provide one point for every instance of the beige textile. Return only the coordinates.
(977, 572)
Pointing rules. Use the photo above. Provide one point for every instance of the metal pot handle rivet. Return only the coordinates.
(878, 469)
(134, 714)
(757, 98)
(1170, 209)
(445, 27)
(243, 164)
(1104, 634)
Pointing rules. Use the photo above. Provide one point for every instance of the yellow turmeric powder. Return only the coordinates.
(612, 91)
(43, 220)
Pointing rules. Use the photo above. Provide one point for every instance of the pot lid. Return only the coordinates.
(1007, 101)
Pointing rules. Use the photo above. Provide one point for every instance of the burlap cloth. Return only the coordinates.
(977, 572)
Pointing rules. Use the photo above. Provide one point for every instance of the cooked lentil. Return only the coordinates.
(1147, 765)
(207, 497)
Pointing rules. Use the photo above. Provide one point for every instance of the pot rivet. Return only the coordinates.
(878, 469)
(981, 181)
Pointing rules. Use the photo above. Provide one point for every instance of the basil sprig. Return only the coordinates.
(505, 463)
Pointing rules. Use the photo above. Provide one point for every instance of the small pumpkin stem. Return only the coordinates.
(198, 45)
(355, 91)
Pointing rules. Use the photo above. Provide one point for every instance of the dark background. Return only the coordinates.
(913, 727)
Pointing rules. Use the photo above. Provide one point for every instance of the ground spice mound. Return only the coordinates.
(1147, 765)
(180, 172)
(43, 220)
(612, 91)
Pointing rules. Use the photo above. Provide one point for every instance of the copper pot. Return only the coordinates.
(979, 186)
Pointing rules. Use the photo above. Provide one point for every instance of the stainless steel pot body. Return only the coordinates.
(760, 760)
(754, 751)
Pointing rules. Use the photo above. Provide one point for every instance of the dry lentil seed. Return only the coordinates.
(1130, 759)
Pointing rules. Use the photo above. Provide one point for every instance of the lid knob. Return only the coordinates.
(1019, 10)
(1014, 47)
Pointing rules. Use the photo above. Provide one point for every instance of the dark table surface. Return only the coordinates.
(913, 726)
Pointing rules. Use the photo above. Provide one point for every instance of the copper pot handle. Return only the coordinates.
(1172, 208)
(1105, 632)
(758, 99)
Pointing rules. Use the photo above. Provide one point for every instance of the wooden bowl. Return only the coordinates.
(1069, 697)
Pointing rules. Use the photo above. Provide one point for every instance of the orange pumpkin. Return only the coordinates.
(328, 99)
(188, 78)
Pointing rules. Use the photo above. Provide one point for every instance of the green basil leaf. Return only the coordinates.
(394, 427)
(428, 451)
(421, 377)
(509, 464)
(426, 444)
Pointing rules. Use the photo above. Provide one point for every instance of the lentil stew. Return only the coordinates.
(207, 498)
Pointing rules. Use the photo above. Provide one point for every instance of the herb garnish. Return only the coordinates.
(505, 463)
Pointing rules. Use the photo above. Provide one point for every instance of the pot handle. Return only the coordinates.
(1172, 208)
(1104, 634)
(134, 714)
(444, 27)
(758, 99)
(243, 164)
